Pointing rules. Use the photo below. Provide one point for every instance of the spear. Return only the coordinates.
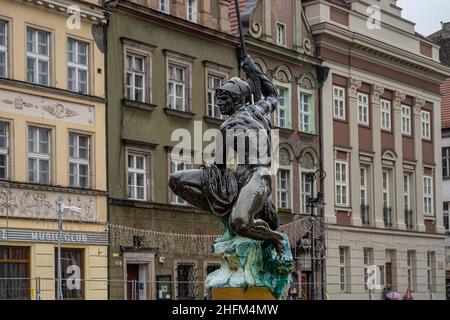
(243, 50)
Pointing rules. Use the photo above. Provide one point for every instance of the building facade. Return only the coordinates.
(52, 146)
(382, 153)
(165, 59)
(442, 39)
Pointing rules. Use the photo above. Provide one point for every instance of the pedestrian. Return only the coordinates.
(408, 295)
(387, 289)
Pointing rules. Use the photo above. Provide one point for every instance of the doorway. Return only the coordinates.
(137, 281)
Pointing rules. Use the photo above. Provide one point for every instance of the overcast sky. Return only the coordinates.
(427, 14)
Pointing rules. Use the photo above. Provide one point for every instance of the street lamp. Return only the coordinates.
(317, 202)
(61, 207)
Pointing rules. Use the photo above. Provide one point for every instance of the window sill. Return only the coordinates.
(386, 131)
(429, 140)
(307, 134)
(409, 136)
(285, 130)
(365, 126)
(139, 105)
(284, 211)
(179, 114)
(340, 120)
(428, 217)
(341, 208)
(212, 120)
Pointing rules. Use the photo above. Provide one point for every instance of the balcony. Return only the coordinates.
(365, 219)
(409, 219)
(387, 216)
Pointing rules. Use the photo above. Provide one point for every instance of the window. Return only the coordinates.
(426, 120)
(4, 150)
(446, 217)
(428, 195)
(363, 109)
(213, 83)
(137, 177)
(135, 77)
(363, 188)
(341, 184)
(306, 193)
(281, 34)
(14, 273)
(385, 115)
(339, 102)
(79, 154)
(192, 10)
(406, 191)
(283, 189)
(283, 115)
(368, 261)
(39, 151)
(343, 252)
(306, 112)
(3, 49)
(164, 6)
(386, 195)
(38, 56)
(446, 162)
(78, 66)
(72, 272)
(430, 271)
(406, 120)
(410, 257)
(178, 164)
(186, 281)
(177, 87)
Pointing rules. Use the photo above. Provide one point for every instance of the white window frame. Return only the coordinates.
(426, 124)
(407, 190)
(410, 262)
(343, 269)
(37, 156)
(135, 172)
(4, 48)
(306, 118)
(446, 219)
(304, 193)
(446, 162)
(77, 65)
(367, 262)
(428, 195)
(133, 73)
(340, 168)
(186, 162)
(406, 120)
(192, 10)
(164, 6)
(339, 104)
(211, 105)
(363, 109)
(36, 56)
(5, 150)
(430, 271)
(77, 161)
(281, 34)
(286, 106)
(386, 112)
(287, 190)
(386, 196)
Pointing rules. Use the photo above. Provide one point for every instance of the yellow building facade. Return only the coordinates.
(52, 149)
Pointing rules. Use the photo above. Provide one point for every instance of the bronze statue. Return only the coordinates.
(242, 197)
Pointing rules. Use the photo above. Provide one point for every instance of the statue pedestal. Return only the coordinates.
(253, 293)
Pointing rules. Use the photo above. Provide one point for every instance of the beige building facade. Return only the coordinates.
(382, 158)
(52, 147)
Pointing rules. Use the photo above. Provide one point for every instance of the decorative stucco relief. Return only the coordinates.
(23, 203)
(22, 103)
(377, 92)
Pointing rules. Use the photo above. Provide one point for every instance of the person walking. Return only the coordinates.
(408, 295)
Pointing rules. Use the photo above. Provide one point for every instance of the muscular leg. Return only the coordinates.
(250, 201)
(187, 184)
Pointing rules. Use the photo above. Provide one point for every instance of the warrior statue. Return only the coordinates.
(241, 197)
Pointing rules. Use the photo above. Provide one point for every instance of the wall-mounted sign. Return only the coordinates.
(52, 236)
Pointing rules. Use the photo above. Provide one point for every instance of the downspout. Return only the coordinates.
(322, 76)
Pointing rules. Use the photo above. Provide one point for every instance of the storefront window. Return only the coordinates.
(71, 272)
(14, 273)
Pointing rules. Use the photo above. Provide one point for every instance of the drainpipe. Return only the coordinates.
(322, 76)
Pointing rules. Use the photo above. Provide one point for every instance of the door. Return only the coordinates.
(305, 285)
(132, 281)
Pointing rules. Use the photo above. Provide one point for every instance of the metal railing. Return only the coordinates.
(365, 218)
(387, 217)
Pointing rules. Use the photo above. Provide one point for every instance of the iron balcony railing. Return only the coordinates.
(409, 219)
(365, 215)
(387, 217)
